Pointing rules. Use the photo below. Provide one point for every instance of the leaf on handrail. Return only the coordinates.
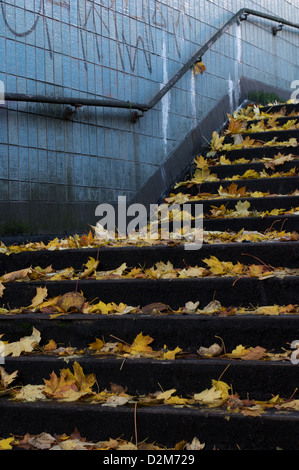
(199, 67)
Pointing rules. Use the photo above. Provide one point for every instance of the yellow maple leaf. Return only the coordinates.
(223, 387)
(259, 194)
(64, 274)
(217, 141)
(176, 400)
(69, 386)
(97, 345)
(268, 310)
(5, 443)
(84, 382)
(213, 396)
(235, 126)
(139, 345)
(224, 161)
(239, 351)
(91, 267)
(199, 67)
(51, 346)
(201, 162)
(102, 308)
(291, 123)
(171, 354)
(166, 395)
(241, 160)
(215, 266)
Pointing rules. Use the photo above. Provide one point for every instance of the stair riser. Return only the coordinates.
(163, 425)
(175, 293)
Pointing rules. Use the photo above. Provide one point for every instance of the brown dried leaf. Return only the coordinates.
(71, 300)
(2, 288)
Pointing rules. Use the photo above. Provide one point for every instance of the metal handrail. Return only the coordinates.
(241, 15)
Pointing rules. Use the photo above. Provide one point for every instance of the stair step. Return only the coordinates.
(165, 424)
(175, 292)
(267, 136)
(257, 379)
(147, 256)
(256, 152)
(288, 223)
(277, 186)
(275, 108)
(280, 120)
(262, 204)
(189, 332)
(228, 171)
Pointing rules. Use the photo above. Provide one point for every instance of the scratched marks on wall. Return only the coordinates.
(133, 28)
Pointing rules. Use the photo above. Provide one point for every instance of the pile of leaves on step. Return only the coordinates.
(75, 441)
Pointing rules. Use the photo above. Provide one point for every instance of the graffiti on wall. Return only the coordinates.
(101, 17)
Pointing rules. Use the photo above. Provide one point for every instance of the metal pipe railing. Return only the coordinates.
(241, 15)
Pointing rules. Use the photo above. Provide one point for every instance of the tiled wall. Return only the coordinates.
(53, 172)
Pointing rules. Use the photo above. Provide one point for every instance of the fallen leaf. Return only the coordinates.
(165, 395)
(51, 346)
(97, 345)
(139, 345)
(26, 344)
(170, 355)
(41, 295)
(71, 300)
(115, 401)
(30, 393)
(16, 275)
(195, 445)
(42, 441)
(91, 267)
(2, 288)
(6, 379)
(212, 351)
(241, 209)
(5, 444)
(255, 354)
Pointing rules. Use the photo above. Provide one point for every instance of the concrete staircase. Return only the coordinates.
(238, 426)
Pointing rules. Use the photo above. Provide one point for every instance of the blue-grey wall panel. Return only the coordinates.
(123, 49)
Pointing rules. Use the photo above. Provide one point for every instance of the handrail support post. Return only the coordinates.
(243, 17)
(275, 29)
